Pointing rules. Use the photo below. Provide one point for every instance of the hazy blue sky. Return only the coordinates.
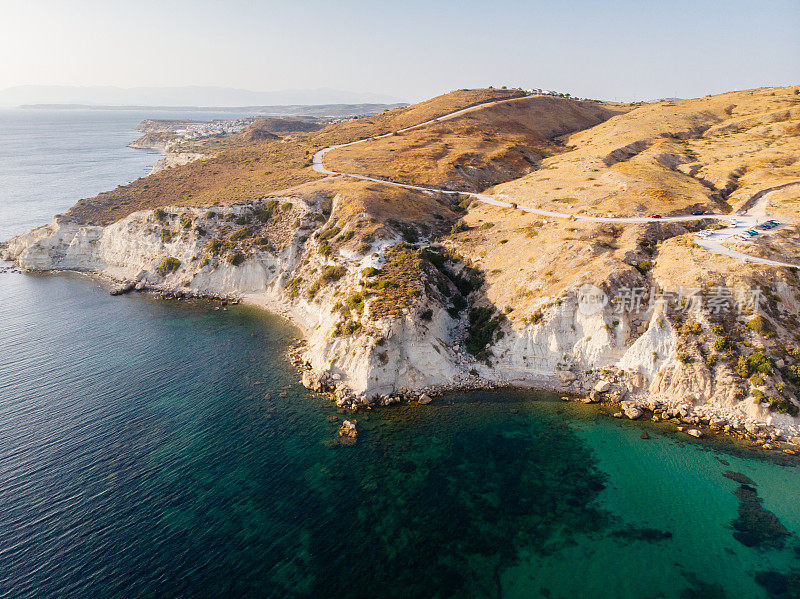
(410, 49)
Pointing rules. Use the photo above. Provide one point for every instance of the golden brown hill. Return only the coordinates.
(670, 157)
(725, 153)
(477, 149)
(242, 174)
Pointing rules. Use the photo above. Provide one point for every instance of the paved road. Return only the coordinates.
(753, 211)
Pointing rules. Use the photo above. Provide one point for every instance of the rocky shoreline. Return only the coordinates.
(696, 423)
(361, 355)
(607, 391)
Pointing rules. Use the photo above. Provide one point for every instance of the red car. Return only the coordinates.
(655, 216)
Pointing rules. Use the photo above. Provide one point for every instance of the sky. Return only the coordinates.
(411, 49)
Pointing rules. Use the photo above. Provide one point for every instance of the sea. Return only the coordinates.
(155, 448)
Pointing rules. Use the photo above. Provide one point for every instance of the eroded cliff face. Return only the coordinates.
(228, 252)
(379, 321)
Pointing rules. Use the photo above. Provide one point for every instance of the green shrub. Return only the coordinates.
(293, 285)
(159, 214)
(762, 326)
(329, 233)
(793, 373)
(481, 330)
(684, 358)
(711, 360)
(755, 362)
(355, 303)
(213, 247)
(435, 258)
(644, 266)
(286, 207)
(186, 221)
(458, 301)
(426, 315)
(241, 234)
(463, 203)
(459, 227)
(370, 271)
(346, 327)
(236, 259)
(241, 220)
(782, 406)
(168, 265)
(409, 233)
(722, 343)
(166, 236)
(380, 285)
(333, 273)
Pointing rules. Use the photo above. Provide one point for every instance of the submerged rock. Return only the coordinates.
(348, 433)
(123, 288)
(348, 429)
(757, 526)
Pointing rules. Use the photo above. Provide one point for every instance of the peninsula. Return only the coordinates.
(641, 254)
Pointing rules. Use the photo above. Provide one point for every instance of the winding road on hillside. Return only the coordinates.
(752, 212)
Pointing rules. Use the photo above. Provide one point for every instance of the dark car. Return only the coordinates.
(655, 216)
(698, 212)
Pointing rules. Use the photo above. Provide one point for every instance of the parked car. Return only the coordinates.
(698, 212)
(751, 232)
(655, 216)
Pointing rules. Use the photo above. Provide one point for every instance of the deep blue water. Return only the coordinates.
(151, 448)
(49, 159)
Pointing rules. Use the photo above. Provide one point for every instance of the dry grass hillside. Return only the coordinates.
(477, 149)
(241, 174)
(670, 157)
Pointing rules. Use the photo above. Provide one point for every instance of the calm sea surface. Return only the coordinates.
(151, 448)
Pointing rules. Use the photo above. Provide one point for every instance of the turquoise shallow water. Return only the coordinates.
(163, 449)
(151, 448)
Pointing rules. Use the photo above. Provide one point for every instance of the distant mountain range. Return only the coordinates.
(182, 96)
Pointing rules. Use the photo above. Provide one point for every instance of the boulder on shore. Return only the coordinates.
(631, 410)
(602, 386)
(694, 433)
(425, 399)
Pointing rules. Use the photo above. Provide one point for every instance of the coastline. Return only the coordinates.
(752, 435)
(362, 353)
